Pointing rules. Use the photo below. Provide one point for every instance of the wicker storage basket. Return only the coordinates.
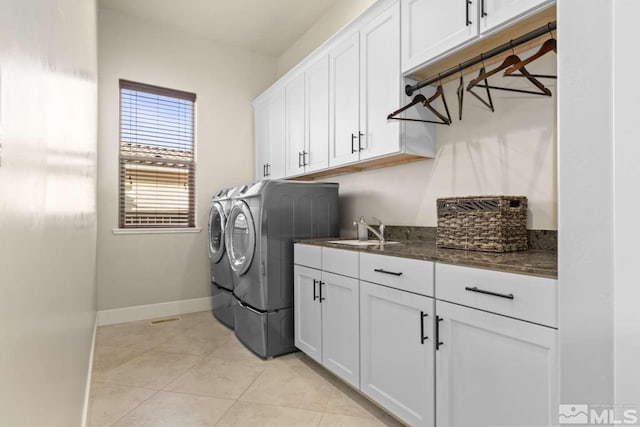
(483, 223)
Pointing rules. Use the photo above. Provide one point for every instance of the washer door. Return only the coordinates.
(217, 224)
(240, 238)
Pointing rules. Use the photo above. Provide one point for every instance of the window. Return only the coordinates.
(157, 164)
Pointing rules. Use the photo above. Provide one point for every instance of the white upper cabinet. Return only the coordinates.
(331, 110)
(344, 101)
(270, 135)
(276, 138)
(317, 115)
(380, 86)
(493, 370)
(497, 12)
(365, 86)
(431, 27)
(295, 152)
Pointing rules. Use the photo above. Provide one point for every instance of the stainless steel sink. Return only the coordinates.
(361, 242)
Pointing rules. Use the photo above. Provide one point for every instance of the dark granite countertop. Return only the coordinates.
(532, 262)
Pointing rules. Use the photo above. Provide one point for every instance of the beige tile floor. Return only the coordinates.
(193, 372)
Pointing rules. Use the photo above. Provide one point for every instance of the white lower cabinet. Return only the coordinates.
(396, 347)
(493, 370)
(340, 327)
(428, 361)
(307, 312)
(327, 320)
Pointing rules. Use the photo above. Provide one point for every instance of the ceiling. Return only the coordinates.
(265, 26)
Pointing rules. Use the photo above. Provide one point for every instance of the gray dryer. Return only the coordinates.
(221, 274)
(265, 219)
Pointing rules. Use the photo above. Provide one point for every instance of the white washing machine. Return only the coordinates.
(221, 274)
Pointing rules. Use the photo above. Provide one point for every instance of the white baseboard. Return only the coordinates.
(142, 312)
(87, 390)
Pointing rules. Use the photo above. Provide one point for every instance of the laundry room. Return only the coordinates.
(319, 213)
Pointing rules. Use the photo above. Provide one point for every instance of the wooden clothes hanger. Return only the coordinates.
(509, 61)
(418, 99)
(460, 93)
(426, 102)
(488, 102)
(548, 46)
(439, 93)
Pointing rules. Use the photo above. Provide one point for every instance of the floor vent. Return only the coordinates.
(168, 319)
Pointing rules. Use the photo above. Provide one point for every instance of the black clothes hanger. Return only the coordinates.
(426, 102)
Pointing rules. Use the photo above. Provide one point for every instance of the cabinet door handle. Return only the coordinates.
(438, 342)
(468, 22)
(320, 282)
(360, 135)
(315, 297)
(304, 158)
(353, 139)
(422, 337)
(393, 273)
(268, 170)
(264, 170)
(299, 159)
(482, 291)
(483, 13)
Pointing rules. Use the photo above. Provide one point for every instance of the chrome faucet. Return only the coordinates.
(363, 227)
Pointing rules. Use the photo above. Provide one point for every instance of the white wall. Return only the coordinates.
(154, 268)
(626, 203)
(511, 151)
(336, 17)
(47, 209)
(585, 223)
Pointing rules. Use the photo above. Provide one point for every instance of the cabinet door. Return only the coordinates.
(344, 101)
(431, 27)
(380, 83)
(494, 370)
(261, 138)
(396, 363)
(340, 327)
(307, 312)
(275, 159)
(497, 12)
(294, 126)
(317, 115)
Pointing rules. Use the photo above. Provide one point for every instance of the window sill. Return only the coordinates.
(156, 230)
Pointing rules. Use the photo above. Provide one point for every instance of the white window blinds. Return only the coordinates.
(157, 164)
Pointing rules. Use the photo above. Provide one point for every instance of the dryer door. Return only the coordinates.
(240, 238)
(217, 224)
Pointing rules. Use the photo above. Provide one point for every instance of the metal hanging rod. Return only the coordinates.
(409, 89)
